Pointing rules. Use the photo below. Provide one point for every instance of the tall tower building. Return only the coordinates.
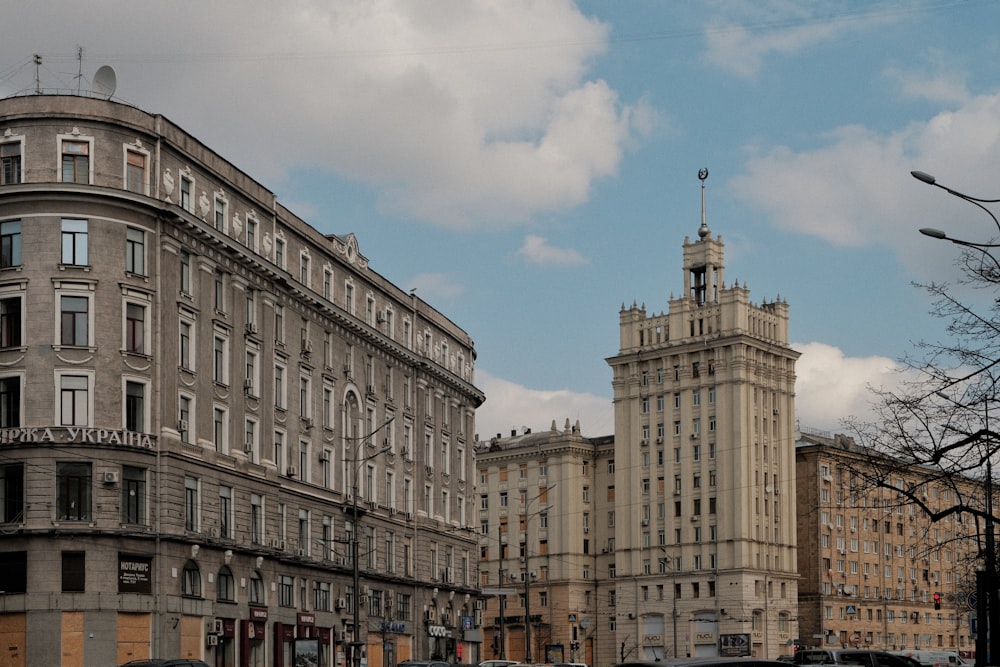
(703, 558)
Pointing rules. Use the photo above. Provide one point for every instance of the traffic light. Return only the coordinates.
(937, 600)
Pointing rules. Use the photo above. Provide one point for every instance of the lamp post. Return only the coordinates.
(356, 462)
(988, 614)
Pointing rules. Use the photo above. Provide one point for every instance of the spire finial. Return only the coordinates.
(703, 231)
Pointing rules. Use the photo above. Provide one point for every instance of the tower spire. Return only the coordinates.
(703, 231)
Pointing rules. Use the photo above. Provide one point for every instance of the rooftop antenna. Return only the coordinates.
(79, 68)
(703, 231)
(38, 64)
(105, 82)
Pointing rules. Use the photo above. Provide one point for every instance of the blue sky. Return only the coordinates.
(531, 166)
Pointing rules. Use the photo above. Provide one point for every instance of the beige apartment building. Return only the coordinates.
(225, 435)
(539, 540)
(703, 559)
(875, 561)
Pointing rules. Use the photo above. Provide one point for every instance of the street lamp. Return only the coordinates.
(356, 462)
(989, 617)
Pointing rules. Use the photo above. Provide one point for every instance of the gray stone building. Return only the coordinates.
(197, 389)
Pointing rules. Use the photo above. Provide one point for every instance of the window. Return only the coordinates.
(185, 272)
(225, 587)
(220, 422)
(135, 328)
(133, 495)
(11, 323)
(256, 519)
(74, 242)
(135, 406)
(185, 345)
(185, 406)
(220, 213)
(219, 292)
(73, 491)
(135, 172)
(74, 571)
(226, 512)
(10, 244)
(251, 232)
(74, 320)
(286, 590)
(191, 580)
(10, 402)
(75, 161)
(10, 163)
(185, 198)
(304, 273)
(321, 596)
(219, 366)
(74, 400)
(12, 493)
(279, 386)
(279, 251)
(192, 511)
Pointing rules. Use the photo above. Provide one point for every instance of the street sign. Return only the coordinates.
(572, 618)
(851, 609)
(499, 591)
(971, 601)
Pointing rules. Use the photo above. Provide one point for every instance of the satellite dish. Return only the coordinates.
(105, 82)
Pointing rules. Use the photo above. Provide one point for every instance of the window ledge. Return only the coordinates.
(79, 267)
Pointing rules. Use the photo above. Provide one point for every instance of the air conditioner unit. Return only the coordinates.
(659, 441)
(252, 328)
(586, 529)
(341, 603)
(111, 477)
(645, 522)
(302, 552)
(247, 447)
(182, 425)
(695, 518)
(677, 492)
(776, 411)
(324, 455)
(370, 389)
(307, 422)
(248, 385)
(777, 491)
(644, 442)
(694, 436)
(218, 626)
(211, 640)
(409, 516)
(380, 317)
(291, 471)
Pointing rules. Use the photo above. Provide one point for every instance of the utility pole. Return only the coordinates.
(501, 597)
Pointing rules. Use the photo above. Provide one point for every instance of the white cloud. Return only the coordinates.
(536, 250)
(464, 114)
(831, 388)
(747, 33)
(857, 188)
(511, 406)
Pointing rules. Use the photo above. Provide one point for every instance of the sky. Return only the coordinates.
(531, 167)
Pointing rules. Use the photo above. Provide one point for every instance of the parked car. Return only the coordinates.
(423, 663)
(498, 663)
(934, 658)
(164, 662)
(837, 656)
(705, 662)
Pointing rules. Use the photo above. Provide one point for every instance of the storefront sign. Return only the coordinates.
(134, 574)
(398, 627)
(89, 436)
(303, 618)
(438, 631)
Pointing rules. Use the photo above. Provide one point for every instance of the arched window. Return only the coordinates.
(256, 588)
(191, 580)
(225, 588)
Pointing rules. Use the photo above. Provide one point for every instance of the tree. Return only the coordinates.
(938, 419)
